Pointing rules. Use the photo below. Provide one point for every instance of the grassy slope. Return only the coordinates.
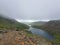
(38, 23)
(6, 23)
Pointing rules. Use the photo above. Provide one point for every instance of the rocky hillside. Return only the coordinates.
(21, 38)
(52, 27)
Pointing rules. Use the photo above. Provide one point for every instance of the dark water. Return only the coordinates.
(41, 33)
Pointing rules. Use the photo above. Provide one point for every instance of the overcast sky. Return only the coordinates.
(31, 9)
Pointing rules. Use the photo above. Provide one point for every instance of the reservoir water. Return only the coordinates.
(41, 33)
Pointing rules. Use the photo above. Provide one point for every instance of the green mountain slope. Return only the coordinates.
(38, 24)
(6, 23)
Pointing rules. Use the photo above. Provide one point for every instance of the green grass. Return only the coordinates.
(6, 23)
(57, 38)
(29, 33)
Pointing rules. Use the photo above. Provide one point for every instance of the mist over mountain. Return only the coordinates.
(10, 23)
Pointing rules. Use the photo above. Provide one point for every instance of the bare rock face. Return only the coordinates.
(21, 38)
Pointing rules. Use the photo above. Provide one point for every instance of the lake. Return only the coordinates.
(41, 33)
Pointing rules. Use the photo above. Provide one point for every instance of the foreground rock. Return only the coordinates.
(21, 38)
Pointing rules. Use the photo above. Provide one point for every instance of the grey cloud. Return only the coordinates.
(31, 9)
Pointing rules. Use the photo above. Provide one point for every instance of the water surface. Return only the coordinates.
(41, 33)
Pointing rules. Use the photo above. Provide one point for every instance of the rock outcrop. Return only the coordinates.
(21, 38)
